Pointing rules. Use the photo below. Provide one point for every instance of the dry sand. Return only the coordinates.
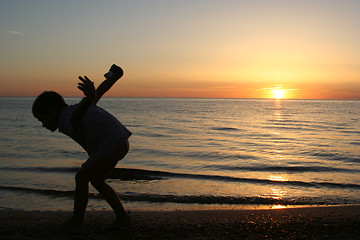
(342, 222)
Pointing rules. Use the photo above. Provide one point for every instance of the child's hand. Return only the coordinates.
(115, 72)
(87, 87)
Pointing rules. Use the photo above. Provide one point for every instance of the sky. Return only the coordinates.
(305, 49)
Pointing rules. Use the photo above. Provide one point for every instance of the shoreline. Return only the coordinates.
(321, 222)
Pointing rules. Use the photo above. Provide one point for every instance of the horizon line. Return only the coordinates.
(275, 99)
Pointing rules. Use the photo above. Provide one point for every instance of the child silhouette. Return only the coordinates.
(101, 135)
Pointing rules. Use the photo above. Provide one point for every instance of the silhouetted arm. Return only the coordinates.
(112, 76)
(87, 87)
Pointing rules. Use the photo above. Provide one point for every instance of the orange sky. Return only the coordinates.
(205, 49)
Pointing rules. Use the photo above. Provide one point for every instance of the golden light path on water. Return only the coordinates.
(278, 193)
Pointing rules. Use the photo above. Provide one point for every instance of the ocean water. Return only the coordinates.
(193, 153)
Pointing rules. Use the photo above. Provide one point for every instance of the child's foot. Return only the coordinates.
(120, 223)
(71, 227)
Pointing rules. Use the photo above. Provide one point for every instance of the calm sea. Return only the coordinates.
(193, 153)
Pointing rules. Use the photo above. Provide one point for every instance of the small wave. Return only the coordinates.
(118, 173)
(335, 157)
(128, 174)
(186, 199)
(195, 154)
(355, 143)
(151, 135)
(217, 155)
(225, 129)
(41, 169)
(48, 192)
(283, 168)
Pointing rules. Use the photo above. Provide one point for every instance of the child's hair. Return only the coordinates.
(47, 102)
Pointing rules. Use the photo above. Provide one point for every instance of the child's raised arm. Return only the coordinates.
(114, 74)
(92, 96)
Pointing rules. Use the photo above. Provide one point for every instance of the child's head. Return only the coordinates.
(47, 107)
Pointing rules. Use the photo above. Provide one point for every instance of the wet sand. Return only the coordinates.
(342, 222)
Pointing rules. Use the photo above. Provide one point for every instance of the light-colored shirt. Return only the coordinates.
(99, 132)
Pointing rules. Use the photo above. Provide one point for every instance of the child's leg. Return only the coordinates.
(74, 225)
(111, 197)
(81, 195)
(98, 181)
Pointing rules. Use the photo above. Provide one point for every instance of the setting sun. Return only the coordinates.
(279, 93)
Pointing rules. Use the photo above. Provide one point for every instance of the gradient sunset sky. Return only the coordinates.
(307, 49)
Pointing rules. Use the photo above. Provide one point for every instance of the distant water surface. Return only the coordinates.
(196, 153)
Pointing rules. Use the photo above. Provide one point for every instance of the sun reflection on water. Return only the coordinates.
(276, 192)
(277, 179)
(278, 207)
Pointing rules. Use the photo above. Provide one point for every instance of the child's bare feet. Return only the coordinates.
(71, 227)
(120, 223)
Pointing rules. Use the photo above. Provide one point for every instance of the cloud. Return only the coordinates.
(15, 33)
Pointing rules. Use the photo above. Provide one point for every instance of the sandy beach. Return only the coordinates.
(341, 222)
